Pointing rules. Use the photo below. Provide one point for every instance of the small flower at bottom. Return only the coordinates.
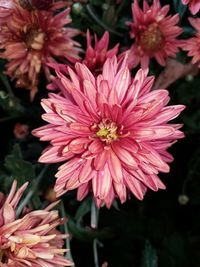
(154, 33)
(112, 131)
(31, 239)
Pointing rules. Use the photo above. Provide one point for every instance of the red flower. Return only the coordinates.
(154, 34)
(31, 39)
(96, 57)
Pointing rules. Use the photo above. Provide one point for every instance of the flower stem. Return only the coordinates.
(67, 241)
(94, 16)
(94, 225)
(32, 191)
(7, 118)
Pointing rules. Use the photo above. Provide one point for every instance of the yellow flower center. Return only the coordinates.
(107, 131)
(151, 39)
(34, 39)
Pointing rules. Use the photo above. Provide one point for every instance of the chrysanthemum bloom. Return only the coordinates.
(111, 130)
(32, 239)
(31, 39)
(194, 5)
(154, 34)
(96, 57)
(192, 45)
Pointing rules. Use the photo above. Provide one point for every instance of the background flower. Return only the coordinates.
(192, 44)
(31, 39)
(96, 56)
(154, 33)
(194, 5)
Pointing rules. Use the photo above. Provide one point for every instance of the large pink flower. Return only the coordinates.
(31, 39)
(154, 34)
(112, 131)
(96, 57)
(194, 5)
(192, 45)
(32, 239)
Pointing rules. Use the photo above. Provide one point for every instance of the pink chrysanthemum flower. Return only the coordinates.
(31, 39)
(154, 34)
(32, 239)
(112, 131)
(194, 5)
(192, 45)
(96, 57)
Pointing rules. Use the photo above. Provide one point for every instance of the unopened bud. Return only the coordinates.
(77, 8)
(183, 199)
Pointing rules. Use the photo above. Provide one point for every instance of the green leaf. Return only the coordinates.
(149, 258)
(20, 169)
(179, 7)
(88, 234)
(83, 209)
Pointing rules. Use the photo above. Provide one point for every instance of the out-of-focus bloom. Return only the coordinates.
(42, 4)
(32, 239)
(112, 131)
(154, 34)
(173, 71)
(21, 130)
(5, 10)
(50, 195)
(31, 39)
(192, 45)
(194, 5)
(96, 57)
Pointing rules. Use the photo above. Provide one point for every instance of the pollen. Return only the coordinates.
(151, 39)
(107, 131)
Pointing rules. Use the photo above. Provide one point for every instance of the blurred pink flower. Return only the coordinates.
(5, 10)
(192, 45)
(31, 39)
(112, 131)
(96, 57)
(154, 34)
(194, 5)
(32, 239)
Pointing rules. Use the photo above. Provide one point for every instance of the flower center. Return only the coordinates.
(151, 39)
(107, 131)
(35, 39)
(2, 257)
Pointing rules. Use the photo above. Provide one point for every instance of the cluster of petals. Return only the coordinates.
(192, 45)
(31, 239)
(32, 38)
(96, 56)
(194, 5)
(154, 33)
(111, 131)
(5, 10)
